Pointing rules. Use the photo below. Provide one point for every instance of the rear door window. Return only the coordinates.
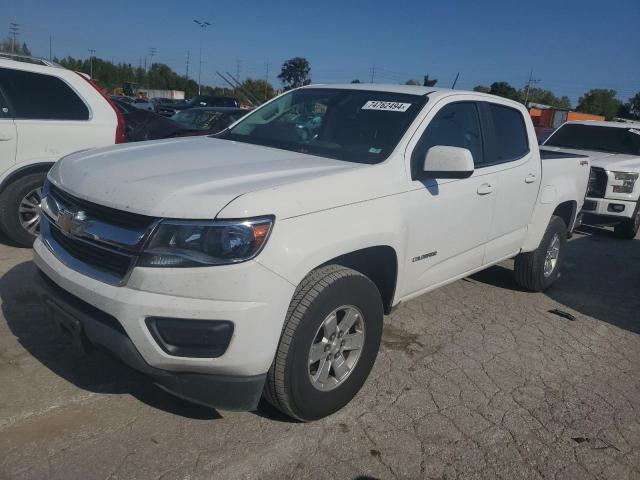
(35, 96)
(510, 134)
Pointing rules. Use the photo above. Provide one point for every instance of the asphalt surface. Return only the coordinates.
(476, 380)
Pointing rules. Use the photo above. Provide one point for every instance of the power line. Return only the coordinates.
(188, 60)
(373, 72)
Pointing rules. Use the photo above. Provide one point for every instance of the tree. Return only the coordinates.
(546, 97)
(412, 82)
(259, 89)
(356, 81)
(429, 83)
(295, 73)
(481, 88)
(7, 46)
(600, 101)
(503, 89)
(634, 106)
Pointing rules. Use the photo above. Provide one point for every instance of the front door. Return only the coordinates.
(450, 218)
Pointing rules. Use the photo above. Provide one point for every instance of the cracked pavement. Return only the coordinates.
(475, 380)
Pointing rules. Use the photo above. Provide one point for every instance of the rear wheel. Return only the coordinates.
(537, 270)
(329, 343)
(20, 208)
(628, 229)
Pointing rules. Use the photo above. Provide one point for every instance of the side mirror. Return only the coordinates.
(448, 162)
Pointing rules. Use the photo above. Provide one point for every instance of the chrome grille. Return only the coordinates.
(97, 241)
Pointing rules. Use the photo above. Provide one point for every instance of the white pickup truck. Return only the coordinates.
(261, 261)
(613, 196)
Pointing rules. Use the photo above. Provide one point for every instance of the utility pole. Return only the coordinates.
(266, 80)
(202, 24)
(238, 68)
(50, 49)
(529, 83)
(92, 52)
(14, 28)
(188, 60)
(373, 72)
(152, 53)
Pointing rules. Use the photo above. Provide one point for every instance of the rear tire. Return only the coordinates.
(538, 270)
(295, 384)
(20, 208)
(628, 229)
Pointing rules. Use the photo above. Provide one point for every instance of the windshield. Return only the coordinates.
(207, 119)
(353, 125)
(592, 137)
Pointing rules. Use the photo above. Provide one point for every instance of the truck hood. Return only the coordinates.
(618, 162)
(184, 178)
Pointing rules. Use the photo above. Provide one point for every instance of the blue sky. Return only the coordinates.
(572, 46)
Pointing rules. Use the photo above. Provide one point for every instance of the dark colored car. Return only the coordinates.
(143, 125)
(208, 120)
(169, 109)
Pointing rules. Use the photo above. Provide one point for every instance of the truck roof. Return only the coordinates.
(597, 123)
(409, 89)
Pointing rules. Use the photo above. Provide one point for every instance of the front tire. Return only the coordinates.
(537, 270)
(628, 229)
(20, 209)
(328, 345)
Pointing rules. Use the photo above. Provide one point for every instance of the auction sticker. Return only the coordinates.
(386, 106)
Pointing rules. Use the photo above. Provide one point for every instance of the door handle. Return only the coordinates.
(485, 189)
(530, 178)
(5, 138)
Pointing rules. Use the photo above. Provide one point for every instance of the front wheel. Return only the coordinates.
(538, 270)
(328, 345)
(628, 229)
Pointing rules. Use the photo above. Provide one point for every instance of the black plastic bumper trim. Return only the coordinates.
(226, 392)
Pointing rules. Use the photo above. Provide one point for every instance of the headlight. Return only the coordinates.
(624, 182)
(177, 243)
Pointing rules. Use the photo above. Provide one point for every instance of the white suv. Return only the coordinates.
(46, 112)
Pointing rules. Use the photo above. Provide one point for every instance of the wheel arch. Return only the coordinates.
(378, 263)
(40, 167)
(567, 212)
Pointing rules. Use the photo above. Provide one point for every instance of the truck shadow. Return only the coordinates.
(26, 317)
(600, 278)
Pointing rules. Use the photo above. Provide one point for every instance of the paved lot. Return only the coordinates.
(475, 380)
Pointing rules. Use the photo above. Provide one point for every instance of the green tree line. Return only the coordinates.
(597, 101)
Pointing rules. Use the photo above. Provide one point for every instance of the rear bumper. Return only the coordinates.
(88, 326)
(616, 210)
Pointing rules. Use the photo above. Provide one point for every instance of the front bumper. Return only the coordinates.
(250, 296)
(606, 207)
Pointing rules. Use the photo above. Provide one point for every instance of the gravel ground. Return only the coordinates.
(476, 380)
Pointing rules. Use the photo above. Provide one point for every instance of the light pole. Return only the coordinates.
(202, 24)
(92, 52)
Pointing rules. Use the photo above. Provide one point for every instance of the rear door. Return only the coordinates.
(512, 157)
(52, 119)
(8, 136)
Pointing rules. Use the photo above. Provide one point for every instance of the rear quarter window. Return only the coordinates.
(36, 96)
(511, 139)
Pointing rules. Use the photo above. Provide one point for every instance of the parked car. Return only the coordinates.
(613, 197)
(262, 260)
(143, 104)
(169, 109)
(46, 112)
(141, 125)
(208, 120)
